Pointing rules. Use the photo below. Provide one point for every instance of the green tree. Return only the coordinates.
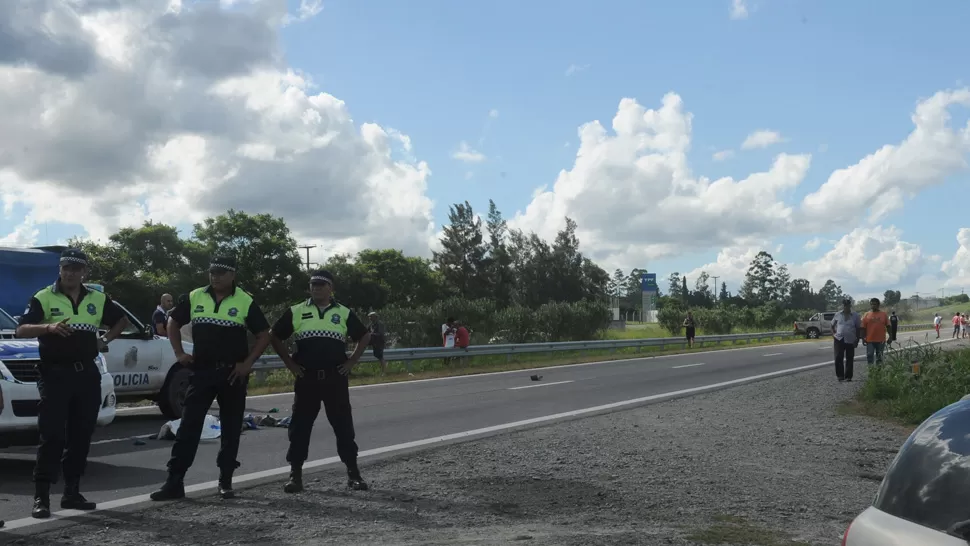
(501, 277)
(269, 261)
(462, 258)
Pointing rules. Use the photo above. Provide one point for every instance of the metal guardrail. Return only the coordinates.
(272, 362)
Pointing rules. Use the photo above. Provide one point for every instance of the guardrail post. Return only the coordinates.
(261, 375)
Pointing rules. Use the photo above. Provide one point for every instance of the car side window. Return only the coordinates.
(929, 481)
(814, 318)
(829, 316)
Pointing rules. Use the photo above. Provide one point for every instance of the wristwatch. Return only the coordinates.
(104, 339)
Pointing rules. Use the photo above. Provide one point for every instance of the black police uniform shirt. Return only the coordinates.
(220, 344)
(317, 351)
(79, 346)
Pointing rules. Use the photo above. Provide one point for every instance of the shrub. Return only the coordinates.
(944, 379)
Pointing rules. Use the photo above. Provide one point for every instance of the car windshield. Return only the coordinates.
(6, 321)
(929, 481)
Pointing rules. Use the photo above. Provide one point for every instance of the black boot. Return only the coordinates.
(73, 499)
(172, 489)
(354, 481)
(225, 484)
(42, 501)
(295, 483)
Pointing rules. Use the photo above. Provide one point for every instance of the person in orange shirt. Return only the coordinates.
(875, 323)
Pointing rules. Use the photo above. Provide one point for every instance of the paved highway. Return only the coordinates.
(397, 413)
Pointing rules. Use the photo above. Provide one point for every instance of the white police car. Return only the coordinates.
(18, 388)
(144, 366)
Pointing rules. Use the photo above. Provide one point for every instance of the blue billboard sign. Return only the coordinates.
(648, 282)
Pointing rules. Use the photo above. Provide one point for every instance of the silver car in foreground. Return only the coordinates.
(924, 499)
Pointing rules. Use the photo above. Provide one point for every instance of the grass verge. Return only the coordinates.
(369, 372)
(737, 530)
(894, 392)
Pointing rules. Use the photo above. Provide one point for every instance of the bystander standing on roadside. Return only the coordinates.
(876, 325)
(377, 337)
(893, 327)
(462, 339)
(690, 330)
(160, 316)
(846, 330)
(963, 325)
(957, 321)
(937, 321)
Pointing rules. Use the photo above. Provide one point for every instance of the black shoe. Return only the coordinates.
(74, 500)
(295, 483)
(849, 379)
(225, 485)
(172, 489)
(42, 501)
(355, 482)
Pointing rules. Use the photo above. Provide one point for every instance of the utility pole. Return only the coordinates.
(716, 288)
(308, 262)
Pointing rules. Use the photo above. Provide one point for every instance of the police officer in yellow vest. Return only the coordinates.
(322, 369)
(221, 361)
(65, 318)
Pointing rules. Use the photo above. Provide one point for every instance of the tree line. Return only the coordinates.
(504, 283)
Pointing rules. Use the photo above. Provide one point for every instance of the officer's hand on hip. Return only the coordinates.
(347, 367)
(241, 370)
(184, 359)
(61, 328)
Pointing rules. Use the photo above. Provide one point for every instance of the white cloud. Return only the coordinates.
(723, 155)
(761, 139)
(146, 109)
(24, 235)
(865, 260)
(493, 113)
(957, 269)
(467, 154)
(636, 199)
(882, 180)
(308, 9)
(813, 244)
(576, 68)
(739, 9)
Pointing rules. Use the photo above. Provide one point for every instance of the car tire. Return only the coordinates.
(172, 397)
(812, 333)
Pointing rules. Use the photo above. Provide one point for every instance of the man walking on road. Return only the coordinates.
(221, 361)
(322, 369)
(65, 318)
(846, 330)
(876, 325)
(893, 327)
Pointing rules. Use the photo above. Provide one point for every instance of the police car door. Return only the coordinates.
(134, 359)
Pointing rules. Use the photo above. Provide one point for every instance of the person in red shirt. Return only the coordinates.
(462, 336)
(956, 325)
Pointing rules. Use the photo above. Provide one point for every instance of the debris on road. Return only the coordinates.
(211, 429)
(536, 377)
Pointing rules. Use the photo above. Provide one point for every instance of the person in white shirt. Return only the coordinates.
(937, 321)
(847, 331)
(448, 332)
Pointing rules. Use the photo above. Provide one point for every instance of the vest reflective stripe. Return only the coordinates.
(57, 306)
(232, 311)
(308, 324)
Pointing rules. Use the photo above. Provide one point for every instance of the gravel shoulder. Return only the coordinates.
(771, 463)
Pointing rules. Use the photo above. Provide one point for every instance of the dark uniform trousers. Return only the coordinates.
(210, 382)
(333, 389)
(70, 399)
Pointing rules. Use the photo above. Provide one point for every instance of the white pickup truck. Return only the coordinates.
(820, 324)
(143, 366)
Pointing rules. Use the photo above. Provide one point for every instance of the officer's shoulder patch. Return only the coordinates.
(92, 309)
(335, 318)
(233, 311)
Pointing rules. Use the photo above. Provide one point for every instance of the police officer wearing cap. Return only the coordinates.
(322, 369)
(220, 315)
(65, 318)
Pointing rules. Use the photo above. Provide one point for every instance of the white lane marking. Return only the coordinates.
(773, 354)
(688, 365)
(540, 385)
(284, 470)
(491, 374)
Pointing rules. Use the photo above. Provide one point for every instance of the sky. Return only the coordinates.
(680, 136)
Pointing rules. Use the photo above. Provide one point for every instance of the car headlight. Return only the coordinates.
(5, 373)
(102, 365)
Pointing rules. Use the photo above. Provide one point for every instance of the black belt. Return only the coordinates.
(76, 365)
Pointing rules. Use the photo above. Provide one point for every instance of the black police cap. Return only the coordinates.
(74, 256)
(222, 262)
(321, 276)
